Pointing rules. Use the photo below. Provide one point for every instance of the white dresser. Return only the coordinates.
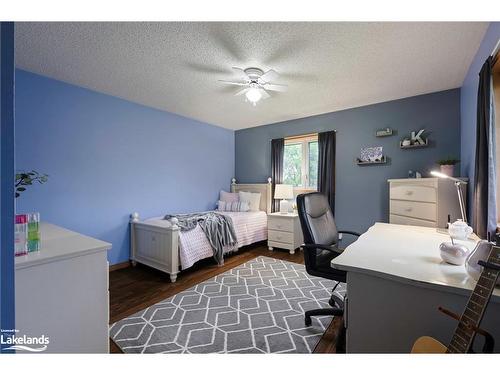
(284, 231)
(424, 202)
(62, 292)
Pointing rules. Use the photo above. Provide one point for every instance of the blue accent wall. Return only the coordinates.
(107, 157)
(468, 105)
(7, 290)
(362, 192)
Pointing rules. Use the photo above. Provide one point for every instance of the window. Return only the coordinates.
(300, 167)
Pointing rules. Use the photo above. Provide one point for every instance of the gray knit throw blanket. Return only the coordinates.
(218, 229)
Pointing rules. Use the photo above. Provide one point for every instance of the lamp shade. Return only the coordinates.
(282, 191)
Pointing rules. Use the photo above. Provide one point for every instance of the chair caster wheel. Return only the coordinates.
(307, 321)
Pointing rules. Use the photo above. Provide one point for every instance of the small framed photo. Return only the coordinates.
(371, 153)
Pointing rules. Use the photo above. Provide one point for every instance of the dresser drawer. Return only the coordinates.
(419, 193)
(397, 219)
(279, 236)
(419, 210)
(280, 223)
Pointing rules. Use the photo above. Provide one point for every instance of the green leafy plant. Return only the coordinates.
(24, 179)
(448, 161)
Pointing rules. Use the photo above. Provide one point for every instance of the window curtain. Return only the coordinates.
(277, 156)
(326, 166)
(484, 212)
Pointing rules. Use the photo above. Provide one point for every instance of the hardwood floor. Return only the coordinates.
(135, 288)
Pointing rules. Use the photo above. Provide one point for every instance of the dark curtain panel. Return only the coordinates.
(326, 166)
(481, 180)
(277, 155)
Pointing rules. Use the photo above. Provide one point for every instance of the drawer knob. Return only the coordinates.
(408, 209)
(409, 192)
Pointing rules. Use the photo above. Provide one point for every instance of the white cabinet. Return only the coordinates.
(284, 232)
(424, 202)
(62, 292)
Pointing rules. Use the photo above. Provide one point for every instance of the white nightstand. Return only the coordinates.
(284, 232)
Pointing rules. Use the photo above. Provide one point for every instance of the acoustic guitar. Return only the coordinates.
(468, 324)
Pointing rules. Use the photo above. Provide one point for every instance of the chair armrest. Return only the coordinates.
(350, 232)
(314, 246)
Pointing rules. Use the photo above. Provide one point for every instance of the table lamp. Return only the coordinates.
(283, 192)
(458, 184)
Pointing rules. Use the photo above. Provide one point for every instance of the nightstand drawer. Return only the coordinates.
(282, 245)
(279, 236)
(280, 223)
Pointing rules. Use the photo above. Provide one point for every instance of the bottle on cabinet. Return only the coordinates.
(27, 233)
(21, 235)
(33, 232)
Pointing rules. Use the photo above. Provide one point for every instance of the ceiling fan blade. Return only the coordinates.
(269, 76)
(275, 87)
(265, 94)
(233, 83)
(241, 72)
(241, 92)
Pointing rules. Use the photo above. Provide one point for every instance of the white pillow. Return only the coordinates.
(253, 200)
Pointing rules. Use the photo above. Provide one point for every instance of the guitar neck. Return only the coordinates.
(476, 306)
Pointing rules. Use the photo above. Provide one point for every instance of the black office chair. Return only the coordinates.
(321, 240)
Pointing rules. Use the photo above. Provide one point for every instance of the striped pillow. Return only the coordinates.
(233, 206)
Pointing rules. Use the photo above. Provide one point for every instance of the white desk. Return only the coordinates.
(395, 282)
(62, 292)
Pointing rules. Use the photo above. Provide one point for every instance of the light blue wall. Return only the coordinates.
(362, 192)
(468, 104)
(108, 157)
(7, 313)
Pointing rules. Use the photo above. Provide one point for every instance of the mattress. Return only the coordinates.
(250, 227)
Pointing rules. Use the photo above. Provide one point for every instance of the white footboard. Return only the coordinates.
(155, 246)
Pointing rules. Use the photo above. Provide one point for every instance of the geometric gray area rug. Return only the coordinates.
(257, 307)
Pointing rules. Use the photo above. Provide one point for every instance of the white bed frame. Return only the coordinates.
(158, 247)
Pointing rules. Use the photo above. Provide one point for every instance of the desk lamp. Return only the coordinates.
(458, 185)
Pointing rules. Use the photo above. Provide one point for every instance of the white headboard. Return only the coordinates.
(263, 189)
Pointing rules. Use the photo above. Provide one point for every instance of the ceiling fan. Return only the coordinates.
(256, 83)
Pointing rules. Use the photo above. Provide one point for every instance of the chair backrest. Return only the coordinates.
(316, 219)
(318, 226)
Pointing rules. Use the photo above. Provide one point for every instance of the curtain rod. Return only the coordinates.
(303, 135)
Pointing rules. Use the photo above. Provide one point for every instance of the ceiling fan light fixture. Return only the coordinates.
(253, 95)
(256, 83)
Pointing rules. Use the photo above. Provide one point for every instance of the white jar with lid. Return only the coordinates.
(459, 230)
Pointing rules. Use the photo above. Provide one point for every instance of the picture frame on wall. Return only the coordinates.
(371, 154)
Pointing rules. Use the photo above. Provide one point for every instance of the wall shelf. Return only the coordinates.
(426, 144)
(361, 162)
(387, 132)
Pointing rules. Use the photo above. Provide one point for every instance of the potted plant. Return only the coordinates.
(448, 165)
(25, 179)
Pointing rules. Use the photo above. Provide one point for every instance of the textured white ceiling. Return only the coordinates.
(327, 66)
